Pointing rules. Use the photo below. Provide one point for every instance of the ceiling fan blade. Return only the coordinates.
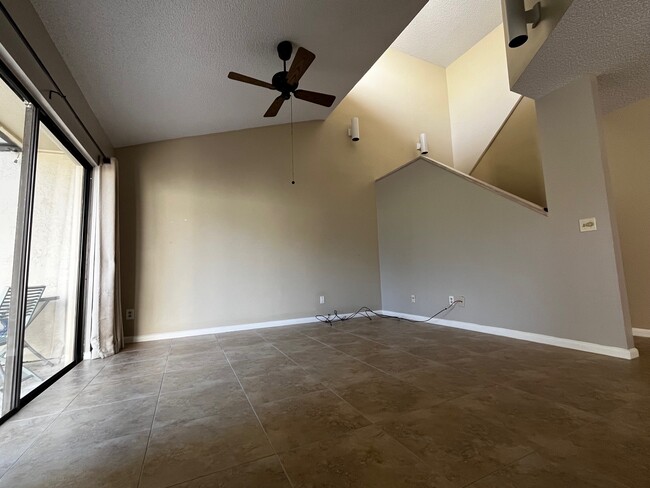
(315, 97)
(300, 63)
(247, 79)
(275, 107)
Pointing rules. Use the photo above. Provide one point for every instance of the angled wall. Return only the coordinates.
(518, 269)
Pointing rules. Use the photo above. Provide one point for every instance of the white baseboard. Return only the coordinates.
(220, 330)
(617, 352)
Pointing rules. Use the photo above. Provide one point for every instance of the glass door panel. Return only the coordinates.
(54, 260)
(12, 123)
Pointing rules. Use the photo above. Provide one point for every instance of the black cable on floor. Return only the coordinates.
(366, 311)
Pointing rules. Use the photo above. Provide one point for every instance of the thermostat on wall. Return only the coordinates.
(587, 225)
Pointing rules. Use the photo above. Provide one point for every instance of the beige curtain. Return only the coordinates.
(105, 335)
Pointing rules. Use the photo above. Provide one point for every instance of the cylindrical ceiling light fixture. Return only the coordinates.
(422, 144)
(516, 19)
(353, 130)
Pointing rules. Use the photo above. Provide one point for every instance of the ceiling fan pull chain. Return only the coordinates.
(293, 171)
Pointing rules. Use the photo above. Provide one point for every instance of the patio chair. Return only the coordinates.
(35, 305)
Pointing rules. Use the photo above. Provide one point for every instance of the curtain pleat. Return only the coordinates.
(104, 312)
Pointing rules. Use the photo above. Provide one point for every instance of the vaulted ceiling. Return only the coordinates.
(156, 69)
(446, 29)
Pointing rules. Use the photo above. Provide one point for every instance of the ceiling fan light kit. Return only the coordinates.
(286, 82)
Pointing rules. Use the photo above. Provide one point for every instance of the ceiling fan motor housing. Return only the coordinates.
(280, 83)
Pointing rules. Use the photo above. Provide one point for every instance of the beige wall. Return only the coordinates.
(400, 97)
(517, 269)
(213, 233)
(479, 98)
(512, 161)
(627, 134)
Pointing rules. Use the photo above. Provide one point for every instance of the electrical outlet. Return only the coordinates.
(460, 301)
(130, 314)
(451, 299)
(412, 298)
(322, 299)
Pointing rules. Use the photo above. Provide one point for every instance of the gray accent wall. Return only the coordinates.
(441, 235)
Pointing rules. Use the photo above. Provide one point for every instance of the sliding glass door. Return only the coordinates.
(53, 276)
(42, 195)
(12, 123)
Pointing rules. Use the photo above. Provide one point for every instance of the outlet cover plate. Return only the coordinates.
(588, 225)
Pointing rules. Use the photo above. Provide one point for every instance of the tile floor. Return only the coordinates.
(362, 404)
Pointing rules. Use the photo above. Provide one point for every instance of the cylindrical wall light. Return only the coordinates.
(516, 19)
(353, 130)
(422, 144)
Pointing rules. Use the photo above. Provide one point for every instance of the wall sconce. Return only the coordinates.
(353, 130)
(422, 145)
(517, 18)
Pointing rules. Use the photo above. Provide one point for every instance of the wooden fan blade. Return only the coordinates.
(275, 107)
(300, 63)
(315, 97)
(252, 81)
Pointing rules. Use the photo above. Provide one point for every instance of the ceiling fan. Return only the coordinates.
(286, 82)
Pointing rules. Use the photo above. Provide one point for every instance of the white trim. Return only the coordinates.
(640, 332)
(219, 330)
(471, 179)
(617, 352)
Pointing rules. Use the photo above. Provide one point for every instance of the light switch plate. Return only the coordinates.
(588, 225)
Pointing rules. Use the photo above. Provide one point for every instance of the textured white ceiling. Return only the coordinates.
(156, 69)
(609, 39)
(446, 29)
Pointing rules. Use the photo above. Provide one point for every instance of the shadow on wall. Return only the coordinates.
(512, 161)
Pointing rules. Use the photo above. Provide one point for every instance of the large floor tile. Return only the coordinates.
(183, 379)
(308, 418)
(394, 361)
(89, 425)
(384, 397)
(102, 464)
(117, 391)
(605, 449)
(17, 435)
(459, 447)
(571, 389)
(443, 381)
(266, 472)
(539, 420)
(196, 360)
(361, 347)
(200, 447)
(52, 401)
(116, 372)
(365, 458)
(257, 366)
(264, 350)
(223, 398)
(276, 384)
(535, 471)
